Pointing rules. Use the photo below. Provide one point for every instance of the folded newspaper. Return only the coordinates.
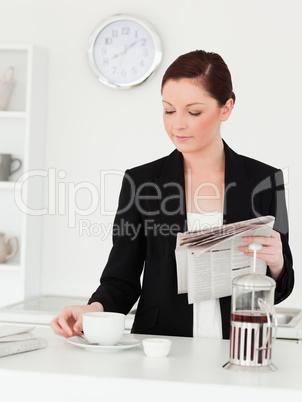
(208, 260)
(15, 340)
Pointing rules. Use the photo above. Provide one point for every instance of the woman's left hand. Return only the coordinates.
(271, 251)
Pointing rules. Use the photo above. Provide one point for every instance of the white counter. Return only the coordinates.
(63, 372)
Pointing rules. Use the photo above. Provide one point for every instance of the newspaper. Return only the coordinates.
(208, 260)
(15, 340)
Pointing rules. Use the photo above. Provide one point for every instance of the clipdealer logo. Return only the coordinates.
(65, 198)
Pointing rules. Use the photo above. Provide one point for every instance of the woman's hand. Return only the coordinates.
(70, 321)
(271, 251)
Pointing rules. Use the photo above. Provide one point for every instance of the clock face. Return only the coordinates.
(124, 51)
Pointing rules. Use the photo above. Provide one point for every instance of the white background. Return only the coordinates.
(92, 128)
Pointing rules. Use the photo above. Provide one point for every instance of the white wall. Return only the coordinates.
(90, 127)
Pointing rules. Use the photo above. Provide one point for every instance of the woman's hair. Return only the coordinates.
(205, 68)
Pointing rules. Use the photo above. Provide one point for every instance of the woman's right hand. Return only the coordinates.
(70, 322)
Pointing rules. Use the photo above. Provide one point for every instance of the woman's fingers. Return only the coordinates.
(70, 321)
(54, 324)
(64, 323)
(271, 251)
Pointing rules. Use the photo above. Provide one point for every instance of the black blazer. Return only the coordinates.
(152, 209)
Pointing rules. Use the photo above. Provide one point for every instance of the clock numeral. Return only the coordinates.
(114, 33)
(113, 69)
(106, 62)
(136, 34)
(133, 71)
(103, 50)
(143, 41)
(141, 63)
(108, 41)
(125, 30)
(124, 73)
(145, 52)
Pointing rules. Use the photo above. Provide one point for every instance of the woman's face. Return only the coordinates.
(192, 118)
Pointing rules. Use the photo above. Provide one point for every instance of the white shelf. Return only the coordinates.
(12, 115)
(10, 267)
(15, 48)
(9, 185)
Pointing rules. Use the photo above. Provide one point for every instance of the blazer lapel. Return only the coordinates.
(172, 187)
(238, 188)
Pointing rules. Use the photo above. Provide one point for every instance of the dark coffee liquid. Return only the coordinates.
(256, 338)
(255, 318)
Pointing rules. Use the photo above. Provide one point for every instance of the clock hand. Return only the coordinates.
(118, 54)
(125, 50)
(132, 44)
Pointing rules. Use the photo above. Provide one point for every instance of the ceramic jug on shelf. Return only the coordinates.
(6, 251)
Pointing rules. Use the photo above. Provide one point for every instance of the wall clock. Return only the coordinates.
(124, 51)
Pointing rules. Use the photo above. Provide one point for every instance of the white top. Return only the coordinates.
(206, 314)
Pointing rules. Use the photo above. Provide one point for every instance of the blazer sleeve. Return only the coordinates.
(285, 282)
(120, 281)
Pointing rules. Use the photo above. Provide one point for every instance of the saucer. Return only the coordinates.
(124, 343)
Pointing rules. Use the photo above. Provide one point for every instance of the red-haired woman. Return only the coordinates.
(202, 183)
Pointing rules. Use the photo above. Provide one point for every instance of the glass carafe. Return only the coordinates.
(253, 323)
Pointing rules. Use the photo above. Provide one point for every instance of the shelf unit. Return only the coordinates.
(22, 133)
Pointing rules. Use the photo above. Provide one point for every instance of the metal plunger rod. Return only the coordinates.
(254, 247)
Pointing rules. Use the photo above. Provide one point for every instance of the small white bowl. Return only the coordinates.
(156, 347)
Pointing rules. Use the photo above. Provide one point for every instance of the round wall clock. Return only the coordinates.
(124, 51)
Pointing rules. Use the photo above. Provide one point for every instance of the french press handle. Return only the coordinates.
(271, 323)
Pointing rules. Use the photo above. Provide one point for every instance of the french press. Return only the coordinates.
(253, 321)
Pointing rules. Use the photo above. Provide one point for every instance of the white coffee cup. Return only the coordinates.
(103, 328)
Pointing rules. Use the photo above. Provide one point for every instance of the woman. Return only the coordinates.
(203, 181)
